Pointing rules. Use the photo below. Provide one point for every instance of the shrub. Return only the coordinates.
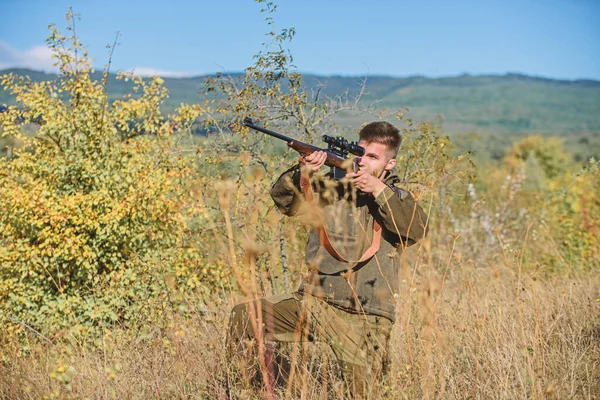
(94, 202)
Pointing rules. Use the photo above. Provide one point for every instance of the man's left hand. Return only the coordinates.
(366, 182)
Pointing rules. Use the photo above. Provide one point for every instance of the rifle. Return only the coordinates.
(337, 151)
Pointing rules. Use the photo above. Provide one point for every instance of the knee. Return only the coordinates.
(237, 312)
(238, 319)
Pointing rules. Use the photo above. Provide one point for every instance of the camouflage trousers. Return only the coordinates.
(359, 342)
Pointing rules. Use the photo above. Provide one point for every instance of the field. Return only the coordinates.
(127, 239)
(464, 332)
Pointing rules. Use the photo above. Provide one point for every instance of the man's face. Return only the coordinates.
(376, 160)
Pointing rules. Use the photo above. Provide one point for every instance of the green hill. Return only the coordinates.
(511, 104)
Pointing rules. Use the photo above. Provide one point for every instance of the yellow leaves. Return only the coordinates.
(187, 114)
(97, 204)
(9, 123)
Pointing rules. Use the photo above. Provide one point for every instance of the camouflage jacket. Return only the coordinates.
(367, 287)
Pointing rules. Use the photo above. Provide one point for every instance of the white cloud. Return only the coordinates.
(143, 71)
(38, 58)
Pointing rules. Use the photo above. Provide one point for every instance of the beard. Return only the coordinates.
(377, 173)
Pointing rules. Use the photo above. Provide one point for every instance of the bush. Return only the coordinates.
(93, 202)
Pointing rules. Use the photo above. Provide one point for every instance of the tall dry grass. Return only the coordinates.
(462, 332)
(478, 317)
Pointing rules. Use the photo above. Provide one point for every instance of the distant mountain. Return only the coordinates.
(511, 103)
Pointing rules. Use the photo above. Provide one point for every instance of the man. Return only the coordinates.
(362, 224)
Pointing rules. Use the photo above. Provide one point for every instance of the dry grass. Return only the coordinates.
(466, 333)
(489, 333)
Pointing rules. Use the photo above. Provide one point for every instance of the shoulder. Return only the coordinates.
(400, 192)
(394, 183)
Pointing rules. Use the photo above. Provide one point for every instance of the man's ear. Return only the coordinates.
(390, 164)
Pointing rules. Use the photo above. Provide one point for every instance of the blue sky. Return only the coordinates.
(550, 38)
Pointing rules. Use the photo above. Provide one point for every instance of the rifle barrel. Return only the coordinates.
(248, 122)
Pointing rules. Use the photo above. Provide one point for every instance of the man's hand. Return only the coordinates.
(366, 182)
(314, 161)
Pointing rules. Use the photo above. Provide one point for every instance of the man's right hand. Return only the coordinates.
(314, 161)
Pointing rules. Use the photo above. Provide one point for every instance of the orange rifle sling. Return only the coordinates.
(370, 252)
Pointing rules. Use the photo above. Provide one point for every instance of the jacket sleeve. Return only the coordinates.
(286, 191)
(401, 215)
(288, 194)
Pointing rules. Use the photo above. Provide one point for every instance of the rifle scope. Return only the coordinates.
(342, 146)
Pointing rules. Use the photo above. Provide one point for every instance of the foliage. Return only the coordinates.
(537, 211)
(118, 219)
(563, 203)
(573, 211)
(123, 231)
(94, 204)
(549, 152)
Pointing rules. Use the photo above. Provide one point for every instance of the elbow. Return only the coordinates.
(417, 232)
(287, 208)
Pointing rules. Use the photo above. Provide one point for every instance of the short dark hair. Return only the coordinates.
(384, 133)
